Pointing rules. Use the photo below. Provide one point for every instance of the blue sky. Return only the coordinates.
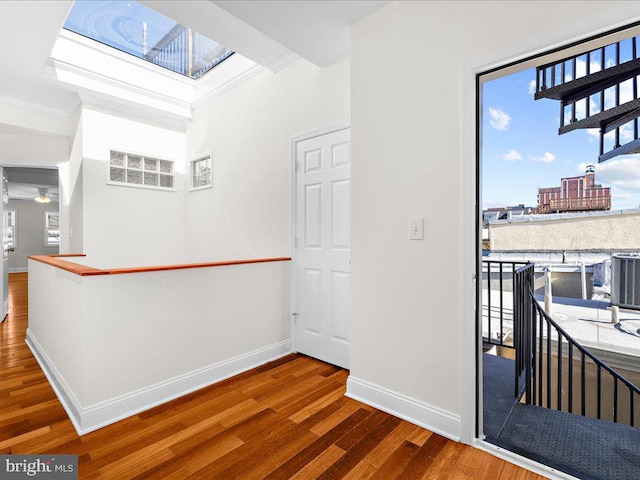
(118, 24)
(521, 148)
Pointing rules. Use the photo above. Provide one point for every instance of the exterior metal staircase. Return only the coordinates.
(598, 89)
(556, 402)
(552, 369)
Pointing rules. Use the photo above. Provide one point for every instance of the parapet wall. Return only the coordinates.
(606, 231)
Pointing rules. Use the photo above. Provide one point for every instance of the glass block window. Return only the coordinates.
(140, 171)
(200, 173)
(52, 229)
(11, 228)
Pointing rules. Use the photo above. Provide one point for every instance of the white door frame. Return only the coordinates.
(607, 21)
(294, 143)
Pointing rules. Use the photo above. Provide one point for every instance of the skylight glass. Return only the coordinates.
(135, 29)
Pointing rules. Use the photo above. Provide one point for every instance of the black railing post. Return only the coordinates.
(548, 364)
(570, 381)
(559, 381)
(489, 302)
(501, 307)
(583, 383)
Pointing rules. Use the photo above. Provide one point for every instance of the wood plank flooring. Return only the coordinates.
(286, 419)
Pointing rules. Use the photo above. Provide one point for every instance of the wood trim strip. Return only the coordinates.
(58, 262)
(159, 268)
(84, 271)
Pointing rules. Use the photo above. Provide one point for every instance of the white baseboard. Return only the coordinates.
(93, 417)
(18, 270)
(65, 395)
(419, 413)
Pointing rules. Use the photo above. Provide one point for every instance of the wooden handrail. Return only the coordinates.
(85, 271)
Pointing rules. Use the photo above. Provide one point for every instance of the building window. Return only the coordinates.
(200, 174)
(140, 171)
(51, 229)
(11, 228)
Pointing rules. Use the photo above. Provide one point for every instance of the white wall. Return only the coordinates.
(71, 193)
(406, 311)
(33, 149)
(128, 226)
(55, 315)
(35, 121)
(30, 228)
(604, 232)
(248, 130)
(117, 344)
(35, 138)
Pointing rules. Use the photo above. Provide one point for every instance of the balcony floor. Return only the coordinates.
(583, 447)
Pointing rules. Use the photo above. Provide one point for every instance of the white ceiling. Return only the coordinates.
(318, 30)
(263, 31)
(25, 183)
(29, 30)
(270, 33)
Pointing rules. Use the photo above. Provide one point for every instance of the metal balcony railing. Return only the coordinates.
(187, 52)
(585, 64)
(498, 277)
(576, 204)
(559, 389)
(552, 369)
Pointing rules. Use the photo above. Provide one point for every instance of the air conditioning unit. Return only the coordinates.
(625, 280)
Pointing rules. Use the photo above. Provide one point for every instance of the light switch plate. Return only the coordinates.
(416, 229)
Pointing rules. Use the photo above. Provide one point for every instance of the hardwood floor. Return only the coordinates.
(286, 419)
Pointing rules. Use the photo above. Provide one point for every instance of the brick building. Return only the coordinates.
(575, 194)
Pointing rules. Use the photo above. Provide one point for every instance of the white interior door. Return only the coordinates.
(323, 247)
(4, 273)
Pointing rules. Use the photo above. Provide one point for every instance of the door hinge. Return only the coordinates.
(295, 317)
(297, 165)
(295, 242)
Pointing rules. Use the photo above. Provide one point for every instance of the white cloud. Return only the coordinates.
(626, 135)
(546, 158)
(581, 67)
(532, 87)
(593, 134)
(581, 109)
(499, 119)
(626, 94)
(512, 155)
(623, 173)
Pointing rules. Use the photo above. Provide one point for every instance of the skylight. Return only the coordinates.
(145, 33)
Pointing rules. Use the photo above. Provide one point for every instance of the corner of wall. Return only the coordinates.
(419, 413)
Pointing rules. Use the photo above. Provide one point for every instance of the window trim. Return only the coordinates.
(142, 156)
(205, 156)
(46, 228)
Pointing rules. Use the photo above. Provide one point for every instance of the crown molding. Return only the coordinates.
(286, 59)
(228, 85)
(36, 107)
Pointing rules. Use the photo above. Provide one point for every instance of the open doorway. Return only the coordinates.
(32, 214)
(560, 363)
(31, 220)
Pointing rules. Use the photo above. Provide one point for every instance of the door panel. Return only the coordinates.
(323, 243)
